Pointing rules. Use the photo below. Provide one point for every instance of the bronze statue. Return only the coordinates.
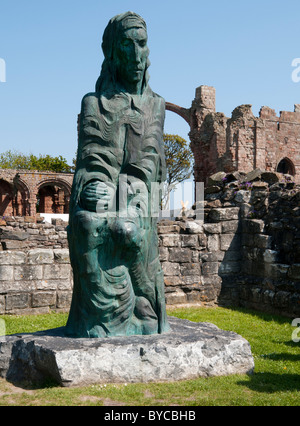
(118, 280)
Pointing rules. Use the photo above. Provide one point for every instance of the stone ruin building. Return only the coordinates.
(26, 193)
(243, 142)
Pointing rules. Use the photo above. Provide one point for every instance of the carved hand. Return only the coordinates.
(92, 193)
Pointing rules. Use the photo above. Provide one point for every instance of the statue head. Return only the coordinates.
(125, 55)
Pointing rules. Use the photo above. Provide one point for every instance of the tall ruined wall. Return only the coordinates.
(243, 141)
(246, 253)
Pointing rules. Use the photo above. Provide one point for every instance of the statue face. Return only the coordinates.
(131, 58)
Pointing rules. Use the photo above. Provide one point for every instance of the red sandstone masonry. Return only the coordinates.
(20, 189)
(242, 142)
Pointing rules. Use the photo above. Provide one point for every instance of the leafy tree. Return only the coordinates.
(17, 160)
(178, 161)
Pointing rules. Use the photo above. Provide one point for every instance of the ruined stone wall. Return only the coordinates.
(242, 141)
(22, 190)
(246, 253)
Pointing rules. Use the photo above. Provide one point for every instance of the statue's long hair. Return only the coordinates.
(107, 80)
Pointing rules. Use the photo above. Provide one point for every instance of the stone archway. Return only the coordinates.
(21, 206)
(286, 166)
(14, 198)
(182, 112)
(53, 196)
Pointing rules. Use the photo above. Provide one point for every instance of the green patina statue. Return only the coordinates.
(112, 233)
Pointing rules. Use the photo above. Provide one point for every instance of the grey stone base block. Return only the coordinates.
(188, 351)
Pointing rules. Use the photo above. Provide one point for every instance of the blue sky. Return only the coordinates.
(52, 51)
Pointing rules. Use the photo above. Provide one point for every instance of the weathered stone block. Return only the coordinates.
(192, 280)
(202, 241)
(171, 240)
(163, 254)
(13, 235)
(12, 257)
(63, 299)
(33, 231)
(180, 255)
(21, 286)
(168, 229)
(213, 243)
(53, 237)
(242, 196)
(17, 301)
(43, 298)
(49, 285)
(190, 269)
(212, 228)
(194, 227)
(195, 256)
(210, 268)
(217, 179)
(228, 213)
(56, 272)
(13, 244)
(189, 240)
(230, 242)
(230, 227)
(64, 284)
(61, 255)
(40, 256)
(28, 272)
(62, 235)
(6, 273)
(177, 297)
(173, 281)
(170, 268)
(215, 256)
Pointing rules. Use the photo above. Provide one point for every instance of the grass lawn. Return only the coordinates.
(275, 382)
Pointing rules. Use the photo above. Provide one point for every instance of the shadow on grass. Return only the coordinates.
(282, 357)
(265, 316)
(271, 382)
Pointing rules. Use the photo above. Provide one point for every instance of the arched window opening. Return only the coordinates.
(286, 167)
(53, 199)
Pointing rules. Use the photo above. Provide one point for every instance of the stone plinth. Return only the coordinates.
(188, 351)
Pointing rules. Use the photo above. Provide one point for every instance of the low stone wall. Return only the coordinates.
(246, 253)
(195, 257)
(18, 233)
(35, 281)
(35, 270)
